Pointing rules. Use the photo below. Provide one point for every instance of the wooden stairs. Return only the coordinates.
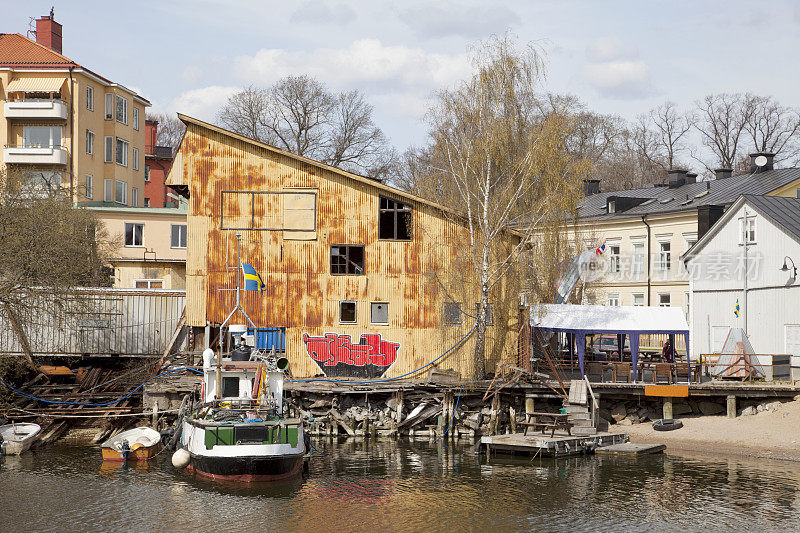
(577, 407)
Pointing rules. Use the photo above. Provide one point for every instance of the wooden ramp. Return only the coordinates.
(631, 448)
(557, 446)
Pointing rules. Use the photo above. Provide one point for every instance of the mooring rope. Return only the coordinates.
(105, 404)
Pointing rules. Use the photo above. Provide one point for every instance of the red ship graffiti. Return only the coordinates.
(336, 355)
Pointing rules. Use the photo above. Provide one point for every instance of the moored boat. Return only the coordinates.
(135, 444)
(240, 434)
(16, 438)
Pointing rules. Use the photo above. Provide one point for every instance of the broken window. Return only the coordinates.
(347, 259)
(452, 314)
(394, 220)
(347, 312)
(379, 313)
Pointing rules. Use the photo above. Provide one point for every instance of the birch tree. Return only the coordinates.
(499, 167)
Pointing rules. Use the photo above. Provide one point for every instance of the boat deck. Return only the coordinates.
(559, 445)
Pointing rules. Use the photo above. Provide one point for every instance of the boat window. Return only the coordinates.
(230, 387)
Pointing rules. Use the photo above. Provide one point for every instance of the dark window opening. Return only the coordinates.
(230, 387)
(394, 220)
(347, 312)
(347, 260)
(452, 313)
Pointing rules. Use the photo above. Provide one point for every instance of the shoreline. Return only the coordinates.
(766, 435)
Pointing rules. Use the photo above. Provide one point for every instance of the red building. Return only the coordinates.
(157, 162)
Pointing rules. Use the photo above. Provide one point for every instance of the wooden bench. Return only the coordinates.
(545, 421)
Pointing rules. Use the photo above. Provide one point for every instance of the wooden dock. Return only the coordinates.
(559, 445)
(631, 448)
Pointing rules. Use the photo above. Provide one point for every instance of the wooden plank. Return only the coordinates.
(667, 391)
(631, 448)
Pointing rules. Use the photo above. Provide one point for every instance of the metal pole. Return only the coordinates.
(745, 236)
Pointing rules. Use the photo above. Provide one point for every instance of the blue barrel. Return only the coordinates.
(269, 338)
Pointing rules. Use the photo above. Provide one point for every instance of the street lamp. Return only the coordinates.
(785, 268)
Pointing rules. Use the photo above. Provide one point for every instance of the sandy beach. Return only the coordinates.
(769, 434)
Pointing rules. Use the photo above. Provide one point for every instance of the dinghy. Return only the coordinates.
(133, 445)
(16, 438)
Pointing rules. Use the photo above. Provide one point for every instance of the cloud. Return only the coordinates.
(192, 74)
(201, 103)
(323, 13)
(443, 19)
(615, 70)
(366, 63)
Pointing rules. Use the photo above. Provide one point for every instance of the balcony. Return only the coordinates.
(39, 155)
(35, 108)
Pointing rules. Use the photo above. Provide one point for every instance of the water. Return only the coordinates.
(404, 486)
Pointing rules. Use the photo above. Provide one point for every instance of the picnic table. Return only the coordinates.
(545, 421)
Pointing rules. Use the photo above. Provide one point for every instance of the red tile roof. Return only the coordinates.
(19, 51)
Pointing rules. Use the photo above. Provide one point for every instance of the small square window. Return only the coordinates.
(664, 300)
(379, 313)
(230, 387)
(346, 259)
(452, 314)
(347, 312)
(489, 314)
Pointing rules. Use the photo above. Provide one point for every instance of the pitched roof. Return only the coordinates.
(362, 179)
(688, 197)
(783, 212)
(17, 50)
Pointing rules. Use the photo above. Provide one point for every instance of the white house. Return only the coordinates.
(748, 257)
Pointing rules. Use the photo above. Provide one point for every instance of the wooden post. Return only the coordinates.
(667, 414)
(512, 415)
(155, 415)
(529, 405)
(493, 415)
(731, 406)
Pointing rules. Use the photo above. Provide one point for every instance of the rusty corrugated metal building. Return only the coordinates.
(361, 275)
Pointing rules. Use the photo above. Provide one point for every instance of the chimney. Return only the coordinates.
(722, 173)
(48, 32)
(150, 136)
(677, 178)
(707, 215)
(691, 177)
(591, 187)
(761, 161)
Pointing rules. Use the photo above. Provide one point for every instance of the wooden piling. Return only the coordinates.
(731, 406)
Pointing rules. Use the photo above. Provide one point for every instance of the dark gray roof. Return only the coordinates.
(785, 212)
(688, 197)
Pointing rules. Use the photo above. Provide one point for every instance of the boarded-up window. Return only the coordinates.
(452, 314)
(269, 211)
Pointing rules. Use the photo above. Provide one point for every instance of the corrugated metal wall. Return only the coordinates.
(301, 294)
(99, 322)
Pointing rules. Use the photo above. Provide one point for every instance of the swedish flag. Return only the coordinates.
(736, 308)
(252, 280)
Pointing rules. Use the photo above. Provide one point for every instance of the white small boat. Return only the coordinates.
(16, 438)
(135, 444)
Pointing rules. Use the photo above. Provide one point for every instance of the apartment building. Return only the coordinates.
(63, 125)
(645, 231)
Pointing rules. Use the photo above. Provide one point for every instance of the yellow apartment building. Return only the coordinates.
(64, 126)
(150, 245)
(646, 231)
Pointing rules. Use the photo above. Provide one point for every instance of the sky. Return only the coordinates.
(620, 57)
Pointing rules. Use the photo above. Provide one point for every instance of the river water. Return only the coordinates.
(394, 486)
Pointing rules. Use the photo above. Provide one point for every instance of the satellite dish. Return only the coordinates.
(761, 161)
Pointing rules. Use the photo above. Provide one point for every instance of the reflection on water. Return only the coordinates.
(404, 486)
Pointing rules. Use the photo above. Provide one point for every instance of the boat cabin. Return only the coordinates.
(242, 382)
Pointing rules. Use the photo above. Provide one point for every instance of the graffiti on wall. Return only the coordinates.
(337, 356)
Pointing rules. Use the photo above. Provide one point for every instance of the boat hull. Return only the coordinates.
(139, 454)
(246, 469)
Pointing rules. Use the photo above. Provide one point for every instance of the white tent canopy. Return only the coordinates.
(609, 319)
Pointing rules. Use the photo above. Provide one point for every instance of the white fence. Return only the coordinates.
(98, 321)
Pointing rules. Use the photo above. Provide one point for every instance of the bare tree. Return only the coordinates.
(774, 128)
(496, 167)
(301, 115)
(244, 113)
(723, 120)
(671, 127)
(170, 129)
